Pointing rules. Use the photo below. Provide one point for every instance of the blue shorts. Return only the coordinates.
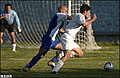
(48, 43)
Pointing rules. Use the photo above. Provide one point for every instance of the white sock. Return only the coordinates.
(72, 54)
(14, 47)
(58, 66)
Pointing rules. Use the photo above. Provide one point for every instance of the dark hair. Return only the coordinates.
(84, 7)
(8, 5)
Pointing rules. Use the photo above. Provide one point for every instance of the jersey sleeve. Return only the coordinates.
(62, 17)
(79, 18)
(17, 21)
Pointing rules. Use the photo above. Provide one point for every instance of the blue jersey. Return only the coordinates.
(48, 40)
(55, 25)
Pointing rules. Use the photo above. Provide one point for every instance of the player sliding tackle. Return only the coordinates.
(48, 40)
(67, 39)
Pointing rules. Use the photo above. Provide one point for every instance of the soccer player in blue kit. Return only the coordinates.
(48, 40)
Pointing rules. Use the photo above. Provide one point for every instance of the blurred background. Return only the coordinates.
(36, 15)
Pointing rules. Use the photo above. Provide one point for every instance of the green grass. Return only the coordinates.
(90, 65)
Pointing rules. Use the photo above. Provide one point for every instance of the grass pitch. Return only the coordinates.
(90, 65)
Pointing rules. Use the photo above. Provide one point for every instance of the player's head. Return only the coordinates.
(85, 10)
(63, 9)
(8, 7)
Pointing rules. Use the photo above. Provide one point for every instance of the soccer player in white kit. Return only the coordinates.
(67, 39)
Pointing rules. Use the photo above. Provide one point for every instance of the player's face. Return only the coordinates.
(64, 10)
(87, 13)
(8, 8)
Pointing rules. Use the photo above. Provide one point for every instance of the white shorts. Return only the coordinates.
(67, 42)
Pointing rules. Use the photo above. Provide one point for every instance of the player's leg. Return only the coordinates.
(59, 53)
(2, 30)
(35, 59)
(61, 62)
(46, 43)
(12, 35)
(67, 47)
(57, 57)
(76, 51)
(57, 46)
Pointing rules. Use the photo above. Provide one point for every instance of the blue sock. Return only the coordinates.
(54, 59)
(34, 60)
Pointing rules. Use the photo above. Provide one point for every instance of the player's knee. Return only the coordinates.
(80, 54)
(42, 52)
(56, 45)
(1, 41)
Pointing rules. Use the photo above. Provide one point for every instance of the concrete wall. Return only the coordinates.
(106, 27)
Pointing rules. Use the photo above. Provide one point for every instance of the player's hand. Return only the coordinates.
(94, 17)
(19, 30)
(6, 15)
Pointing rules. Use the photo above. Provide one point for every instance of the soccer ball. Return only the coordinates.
(108, 67)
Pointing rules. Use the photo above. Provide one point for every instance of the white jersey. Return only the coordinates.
(75, 24)
(67, 39)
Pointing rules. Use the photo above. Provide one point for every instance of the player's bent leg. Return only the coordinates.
(67, 56)
(78, 52)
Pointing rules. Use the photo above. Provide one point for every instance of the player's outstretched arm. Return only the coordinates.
(90, 21)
